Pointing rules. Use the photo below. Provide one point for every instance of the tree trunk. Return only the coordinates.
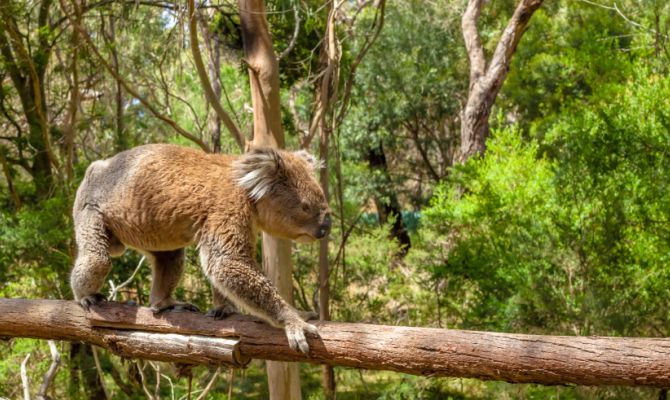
(120, 140)
(325, 95)
(517, 358)
(328, 377)
(213, 44)
(283, 378)
(486, 81)
(27, 71)
(214, 65)
(10, 181)
(388, 205)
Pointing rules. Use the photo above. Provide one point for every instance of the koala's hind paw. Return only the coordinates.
(177, 307)
(295, 333)
(92, 300)
(221, 312)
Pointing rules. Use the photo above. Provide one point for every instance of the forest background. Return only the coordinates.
(562, 226)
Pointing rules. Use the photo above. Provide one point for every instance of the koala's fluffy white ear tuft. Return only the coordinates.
(257, 170)
(313, 161)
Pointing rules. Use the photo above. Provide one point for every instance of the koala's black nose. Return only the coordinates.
(325, 227)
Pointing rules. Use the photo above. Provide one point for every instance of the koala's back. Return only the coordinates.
(154, 197)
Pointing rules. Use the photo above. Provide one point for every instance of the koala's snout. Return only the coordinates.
(324, 228)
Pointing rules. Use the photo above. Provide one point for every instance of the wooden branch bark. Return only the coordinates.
(473, 44)
(283, 378)
(64, 320)
(549, 360)
(486, 81)
(263, 74)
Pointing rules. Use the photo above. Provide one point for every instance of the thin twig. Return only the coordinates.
(230, 383)
(157, 389)
(98, 368)
(144, 381)
(115, 290)
(210, 96)
(171, 385)
(51, 373)
(294, 39)
(24, 378)
(616, 8)
(377, 25)
(128, 88)
(209, 385)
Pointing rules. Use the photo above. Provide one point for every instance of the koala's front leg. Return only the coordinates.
(241, 282)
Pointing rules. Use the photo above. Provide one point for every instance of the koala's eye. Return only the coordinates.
(305, 207)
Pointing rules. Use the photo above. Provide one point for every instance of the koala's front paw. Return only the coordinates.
(92, 300)
(295, 333)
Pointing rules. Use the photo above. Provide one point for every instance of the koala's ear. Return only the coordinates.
(258, 170)
(313, 161)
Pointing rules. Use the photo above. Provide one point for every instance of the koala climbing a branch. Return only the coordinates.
(159, 198)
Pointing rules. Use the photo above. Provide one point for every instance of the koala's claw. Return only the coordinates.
(92, 300)
(177, 307)
(221, 312)
(295, 333)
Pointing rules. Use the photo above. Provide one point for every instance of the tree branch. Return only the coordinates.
(377, 25)
(87, 39)
(168, 5)
(473, 44)
(549, 360)
(485, 83)
(495, 75)
(204, 79)
(8, 177)
(9, 60)
(51, 373)
(294, 38)
(36, 73)
(24, 378)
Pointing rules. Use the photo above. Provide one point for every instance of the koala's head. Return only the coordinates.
(288, 200)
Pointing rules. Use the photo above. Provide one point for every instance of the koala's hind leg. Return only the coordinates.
(167, 268)
(116, 248)
(93, 261)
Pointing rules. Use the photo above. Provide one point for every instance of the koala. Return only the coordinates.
(158, 199)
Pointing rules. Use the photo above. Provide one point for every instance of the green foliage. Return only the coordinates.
(570, 239)
(35, 250)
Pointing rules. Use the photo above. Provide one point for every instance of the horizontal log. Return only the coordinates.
(66, 320)
(549, 360)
